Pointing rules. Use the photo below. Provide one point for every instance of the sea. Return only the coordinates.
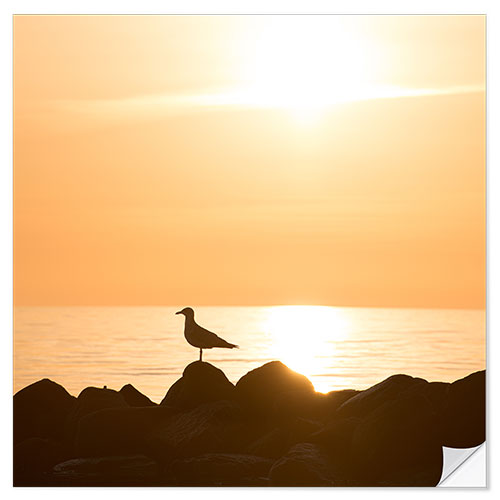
(335, 347)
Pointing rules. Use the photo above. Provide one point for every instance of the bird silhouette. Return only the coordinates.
(197, 336)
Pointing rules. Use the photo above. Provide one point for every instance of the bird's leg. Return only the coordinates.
(201, 353)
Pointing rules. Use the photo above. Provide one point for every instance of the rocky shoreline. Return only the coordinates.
(270, 429)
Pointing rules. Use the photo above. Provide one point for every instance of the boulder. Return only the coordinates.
(309, 405)
(292, 404)
(301, 429)
(305, 464)
(34, 459)
(134, 470)
(398, 444)
(40, 410)
(259, 389)
(200, 383)
(327, 404)
(336, 437)
(135, 398)
(216, 427)
(435, 392)
(463, 417)
(221, 469)
(275, 443)
(119, 431)
(368, 400)
(89, 400)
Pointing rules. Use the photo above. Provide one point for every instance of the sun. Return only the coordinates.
(307, 64)
(304, 337)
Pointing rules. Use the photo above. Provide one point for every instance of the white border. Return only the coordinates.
(489, 7)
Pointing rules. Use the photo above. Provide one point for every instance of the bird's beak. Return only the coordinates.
(178, 312)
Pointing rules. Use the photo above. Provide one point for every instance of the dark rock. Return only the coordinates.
(211, 428)
(275, 443)
(301, 429)
(304, 465)
(200, 383)
(315, 405)
(89, 400)
(258, 390)
(435, 392)
(119, 431)
(336, 437)
(327, 404)
(34, 459)
(292, 404)
(388, 435)
(40, 410)
(135, 398)
(398, 444)
(370, 399)
(463, 418)
(136, 470)
(221, 469)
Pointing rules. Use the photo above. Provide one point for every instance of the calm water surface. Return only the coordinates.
(335, 347)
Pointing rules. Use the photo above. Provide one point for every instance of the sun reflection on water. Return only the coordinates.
(304, 338)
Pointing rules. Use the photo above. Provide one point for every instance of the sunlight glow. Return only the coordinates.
(304, 337)
(307, 64)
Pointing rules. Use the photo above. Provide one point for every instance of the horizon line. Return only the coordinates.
(14, 306)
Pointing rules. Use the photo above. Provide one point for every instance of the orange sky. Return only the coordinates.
(249, 160)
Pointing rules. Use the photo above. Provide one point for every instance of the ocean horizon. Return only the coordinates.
(335, 347)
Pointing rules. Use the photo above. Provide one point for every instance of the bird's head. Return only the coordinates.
(187, 311)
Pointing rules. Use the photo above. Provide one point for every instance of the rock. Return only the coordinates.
(301, 429)
(275, 443)
(221, 469)
(292, 404)
(366, 401)
(304, 465)
(135, 398)
(327, 404)
(211, 428)
(40, 410)
(398, 444)
(258, 390)
(34, 459)
(218, 434)
(463, 418)
(89, 400)
(119, 431)
(313, 406)
(135, 470)
(435, 392)
(200, 383)
(336, 437)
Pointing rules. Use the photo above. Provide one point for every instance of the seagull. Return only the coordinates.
(198, 336)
